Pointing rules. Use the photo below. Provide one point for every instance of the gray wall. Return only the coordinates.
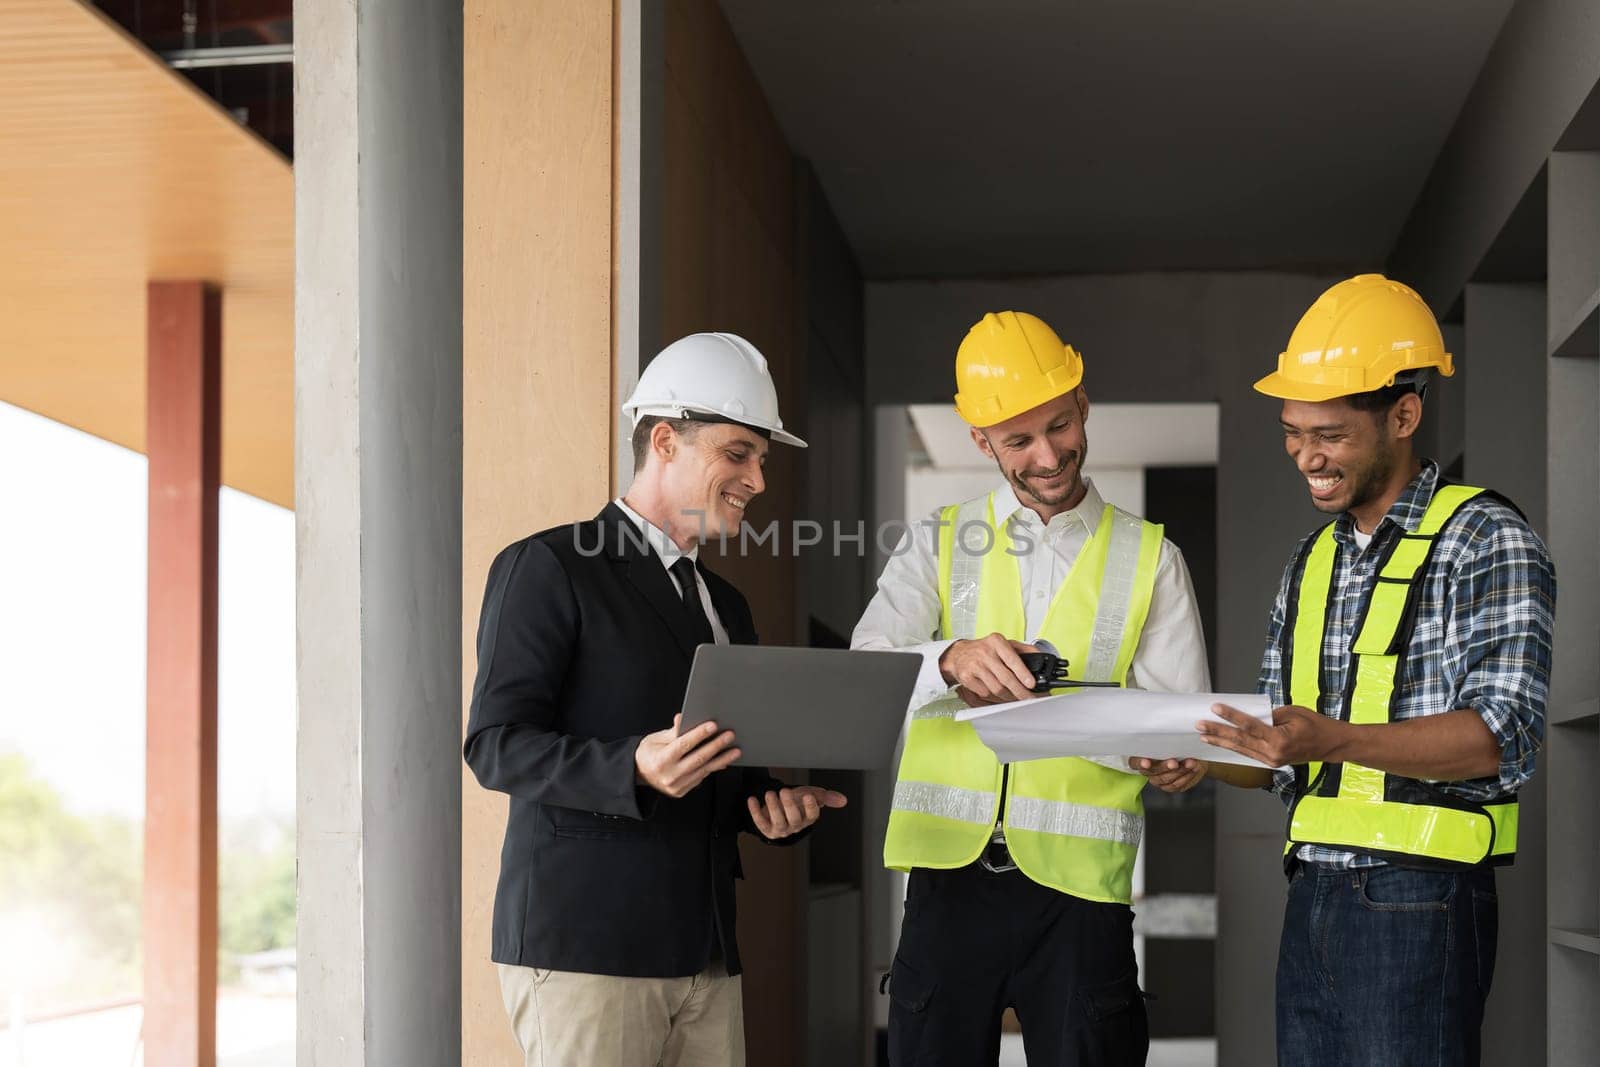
(843, 867)
(1505, 372)
(1170, 338)
(378, 193)
(1538, 74)
(835, 418)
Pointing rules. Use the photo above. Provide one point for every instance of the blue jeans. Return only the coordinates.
(1385, 966)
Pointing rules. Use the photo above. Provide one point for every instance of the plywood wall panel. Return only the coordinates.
(537, 353)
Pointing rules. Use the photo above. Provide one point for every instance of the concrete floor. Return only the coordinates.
(1168, 1052)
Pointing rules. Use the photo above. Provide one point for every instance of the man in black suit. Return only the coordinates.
(614, 915)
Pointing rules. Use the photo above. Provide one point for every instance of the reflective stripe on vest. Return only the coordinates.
(1348, 806)
(1070, 824)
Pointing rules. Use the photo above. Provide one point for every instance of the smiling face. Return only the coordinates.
(710, 476)
(1352, 460)
(1041, 452)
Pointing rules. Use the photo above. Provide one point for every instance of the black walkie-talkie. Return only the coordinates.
(1050, 673)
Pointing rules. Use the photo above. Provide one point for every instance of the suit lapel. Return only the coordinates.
(646, 574)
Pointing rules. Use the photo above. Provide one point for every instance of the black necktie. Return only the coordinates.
(689, 591)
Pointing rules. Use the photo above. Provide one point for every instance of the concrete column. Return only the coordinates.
(1504, 366)
(1570, 761)
(184, 442)
(378, 174)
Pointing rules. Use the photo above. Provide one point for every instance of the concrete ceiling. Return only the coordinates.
(1040, 136)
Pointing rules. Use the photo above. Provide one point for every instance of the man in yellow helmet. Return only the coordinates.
(1021, 876)
(1409, 648)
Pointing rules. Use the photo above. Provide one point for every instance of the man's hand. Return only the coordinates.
(1297, 735)
(987, 670)
(673, 765)
(791, 809)
(1171, 775)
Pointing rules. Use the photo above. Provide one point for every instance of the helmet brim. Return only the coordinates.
(1283, 388)
(686, 411)
(788, 439)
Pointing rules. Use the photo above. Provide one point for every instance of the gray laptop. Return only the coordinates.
(803, 707)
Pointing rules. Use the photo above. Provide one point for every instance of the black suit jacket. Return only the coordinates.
(583, 648)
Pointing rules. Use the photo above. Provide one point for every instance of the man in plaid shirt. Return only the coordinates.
(1409, 654)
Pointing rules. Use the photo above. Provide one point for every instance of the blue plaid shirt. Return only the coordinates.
(1482, 638)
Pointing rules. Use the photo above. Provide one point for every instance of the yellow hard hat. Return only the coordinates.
(1356, 338)
(1011, 362)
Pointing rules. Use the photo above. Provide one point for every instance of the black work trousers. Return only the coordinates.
(975, 943)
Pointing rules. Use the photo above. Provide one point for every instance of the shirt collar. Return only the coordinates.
(1087, 513)
(1407, 510)
(667, 550)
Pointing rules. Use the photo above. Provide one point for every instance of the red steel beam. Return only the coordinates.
(184, 445)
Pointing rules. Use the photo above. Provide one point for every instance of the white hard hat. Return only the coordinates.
(720, 375)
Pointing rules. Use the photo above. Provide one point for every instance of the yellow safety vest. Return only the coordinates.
(1069, 823)
(1347, 806)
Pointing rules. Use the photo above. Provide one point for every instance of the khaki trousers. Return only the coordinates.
(568, 1019)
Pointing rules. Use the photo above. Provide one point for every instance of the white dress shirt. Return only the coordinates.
(904, 613)
(667, 551)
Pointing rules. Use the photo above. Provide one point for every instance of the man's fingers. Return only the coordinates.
(995, 683)
(690, 738)
(1233, 741)
(1236, 738)
(1007, 688)
(758, 815)
(700, 774)
(1248, 723)
(707, 750)
(794, 811)
(1020, 680)
(793, 814)
(832, 798)
(1016, 690)
(810, 808)
(973, 681)
(775, 811)
(986, 684)
(690, 772)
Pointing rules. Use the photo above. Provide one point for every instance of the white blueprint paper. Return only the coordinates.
(1110, 722)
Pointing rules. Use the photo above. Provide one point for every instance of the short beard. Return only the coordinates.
(1074, 461)
(1375, 476)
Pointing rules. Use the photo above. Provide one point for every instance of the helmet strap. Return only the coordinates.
(1417, 380)
(701, 416)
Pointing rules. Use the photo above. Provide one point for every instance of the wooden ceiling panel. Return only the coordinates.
(115, 171)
